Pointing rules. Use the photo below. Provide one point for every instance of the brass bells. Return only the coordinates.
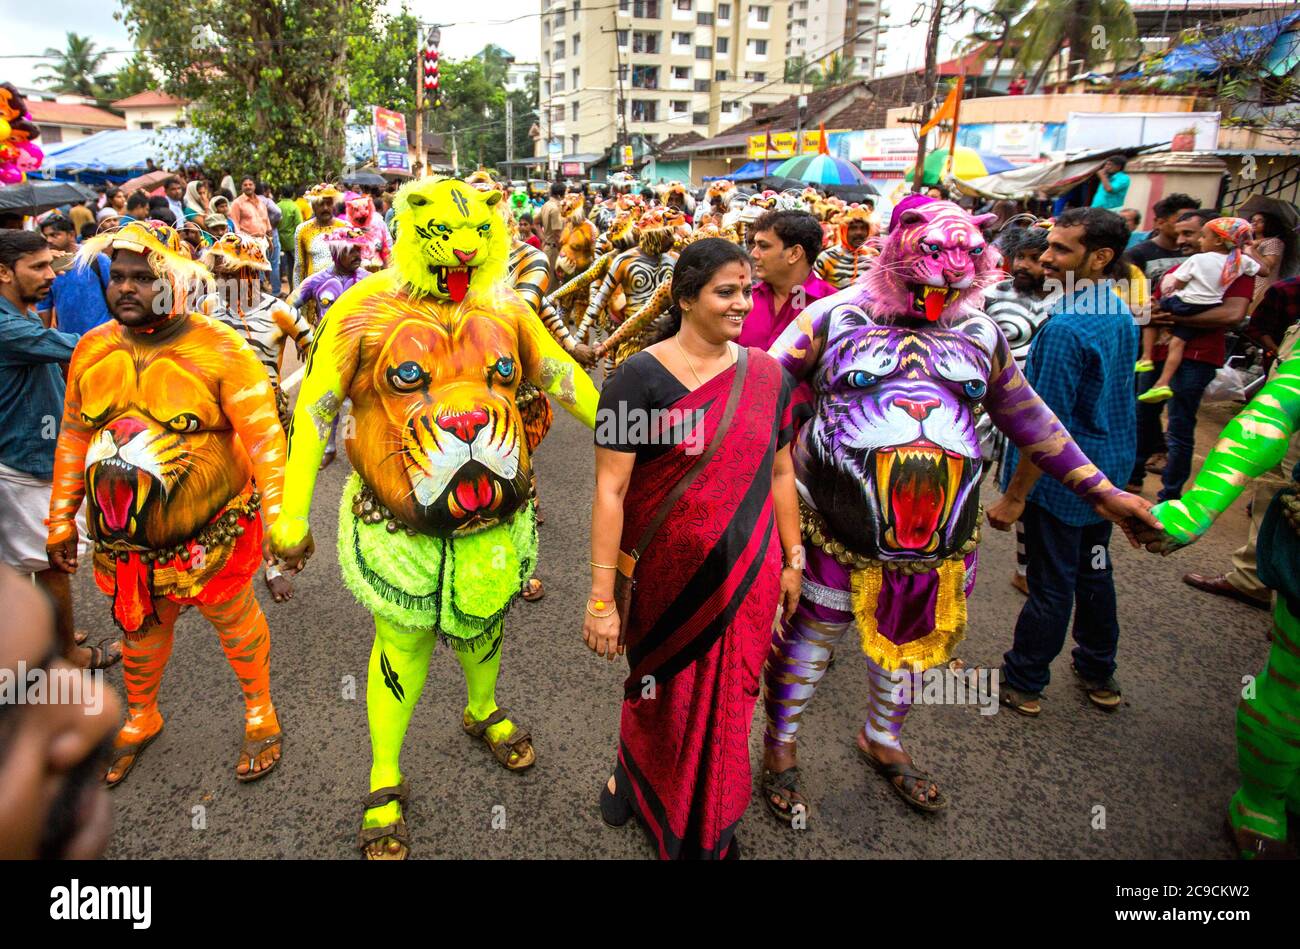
(371, 510)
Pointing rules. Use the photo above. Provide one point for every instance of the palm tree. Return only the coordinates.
(995, 25)
(1094, 30)
(836, 71)
(74, 69)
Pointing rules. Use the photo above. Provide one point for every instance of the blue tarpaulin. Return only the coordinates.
(118, 154)
(1213, 53)
(753, 171)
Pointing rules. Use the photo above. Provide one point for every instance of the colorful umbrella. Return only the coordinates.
(820, 170)
(967, 163)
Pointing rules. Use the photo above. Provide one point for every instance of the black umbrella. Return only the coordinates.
(365, 179)
(33, 197)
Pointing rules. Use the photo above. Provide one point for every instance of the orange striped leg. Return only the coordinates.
(143, 660)
(246, 639)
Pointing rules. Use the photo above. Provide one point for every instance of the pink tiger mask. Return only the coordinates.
(933, 265)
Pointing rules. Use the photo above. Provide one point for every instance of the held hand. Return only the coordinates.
(584, 355)
(294, 558)
(791, 587)
(1005, 511)
(601, 635)
(1131, 513)
(63, 555)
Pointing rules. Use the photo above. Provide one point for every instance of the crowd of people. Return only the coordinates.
(801, 399)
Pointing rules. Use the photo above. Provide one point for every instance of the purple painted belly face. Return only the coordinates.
(892, 458)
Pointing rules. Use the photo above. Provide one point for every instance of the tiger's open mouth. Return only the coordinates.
(930, 301)
(120, 491)
(916, 485)
(452, 281)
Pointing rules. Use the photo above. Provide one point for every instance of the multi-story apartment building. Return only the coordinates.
(655, 68)
(848, 28)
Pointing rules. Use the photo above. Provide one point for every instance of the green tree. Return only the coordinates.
(473, 110)
(1095, 31)
(269, 81)
(74, 69)
(798, 70)
(132, 77)
(385, 64)
(836, 70)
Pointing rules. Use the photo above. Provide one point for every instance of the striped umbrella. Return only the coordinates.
(821, 170)
(967, 163)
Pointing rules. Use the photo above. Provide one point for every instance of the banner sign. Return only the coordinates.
(391, 153)
(783, 144)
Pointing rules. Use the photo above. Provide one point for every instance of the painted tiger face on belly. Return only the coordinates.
(438, 436)
(893, 459)
(163, 459)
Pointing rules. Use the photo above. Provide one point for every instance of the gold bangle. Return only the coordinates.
(600, 615)
(604, 566)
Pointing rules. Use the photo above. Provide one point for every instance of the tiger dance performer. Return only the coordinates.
(171, 437)
(529, 274)
(636, 274)
(1265, 808)
(435, 531)
(266, 323)
(377, 253)
(888, 469)
(847, 261)
(310, 251)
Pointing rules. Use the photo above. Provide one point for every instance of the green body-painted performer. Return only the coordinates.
(1268, 721)
(435, 532)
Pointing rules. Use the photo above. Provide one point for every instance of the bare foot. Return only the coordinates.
(280, 586)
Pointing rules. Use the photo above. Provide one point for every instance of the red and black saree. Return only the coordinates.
(707, 593)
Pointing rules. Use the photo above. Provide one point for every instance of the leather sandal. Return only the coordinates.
(396, 830)
(250, 750)
(518, 742)
(911, 776)
(783, 784)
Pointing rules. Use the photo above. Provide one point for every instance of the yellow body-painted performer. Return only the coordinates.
(435, 532)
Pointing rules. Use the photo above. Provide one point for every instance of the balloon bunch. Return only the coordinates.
(19, 154)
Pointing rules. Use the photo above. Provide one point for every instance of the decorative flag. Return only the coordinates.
(948, 110)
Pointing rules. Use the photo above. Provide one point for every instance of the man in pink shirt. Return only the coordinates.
(784, 246)
(249, 214)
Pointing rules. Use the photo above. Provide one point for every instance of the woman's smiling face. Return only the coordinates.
(719, 312)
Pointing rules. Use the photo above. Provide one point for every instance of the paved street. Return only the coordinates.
(1162, 768)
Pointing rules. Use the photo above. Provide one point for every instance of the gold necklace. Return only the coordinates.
(699, 382)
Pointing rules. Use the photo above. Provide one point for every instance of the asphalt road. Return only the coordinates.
(1151, 780)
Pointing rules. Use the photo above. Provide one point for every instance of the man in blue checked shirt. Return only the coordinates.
(1081, 365)
(31, 408)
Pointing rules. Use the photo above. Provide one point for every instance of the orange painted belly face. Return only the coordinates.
(148, 486)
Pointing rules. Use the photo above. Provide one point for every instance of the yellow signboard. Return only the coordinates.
(782, 144)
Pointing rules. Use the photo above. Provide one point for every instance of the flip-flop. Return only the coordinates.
(783, 784)
(911, 777)
(131, 750)
(101, 656)
(532, 590)
(250, 750)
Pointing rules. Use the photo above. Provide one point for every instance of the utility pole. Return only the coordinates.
(510, 131)
(420, 154)
(620, 122)
(927, 103)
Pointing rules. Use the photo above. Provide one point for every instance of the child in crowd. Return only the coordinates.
(1197, 285)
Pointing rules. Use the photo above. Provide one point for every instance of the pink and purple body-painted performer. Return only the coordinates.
(888, 472)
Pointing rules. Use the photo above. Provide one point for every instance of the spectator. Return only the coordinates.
(160, 210)
(273, 248)
(551, 219)
(247, 213)
(75, 303)
(80, 215)
(137, 208)
(1018, 85)
(290, 218)
(527, 233)
(1269, 249)
(115, 199)
(1081, 365)
(1112, 184)
(217, 225)
(31, 409)
(1202, 357)
(1159, 251)
(53, 804)
(196, 200)
(785, 247)
(174, 190)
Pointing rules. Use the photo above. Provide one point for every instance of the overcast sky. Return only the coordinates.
(31, 27)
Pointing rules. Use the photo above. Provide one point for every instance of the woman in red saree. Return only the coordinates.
(711, 581)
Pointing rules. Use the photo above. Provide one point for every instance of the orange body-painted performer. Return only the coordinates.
(170, 435)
